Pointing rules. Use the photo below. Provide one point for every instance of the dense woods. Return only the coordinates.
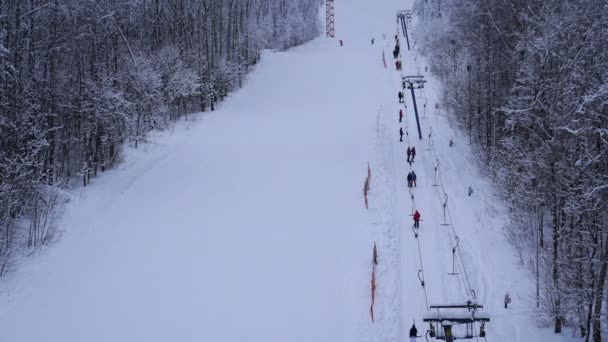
(527, 81)
(80, 78)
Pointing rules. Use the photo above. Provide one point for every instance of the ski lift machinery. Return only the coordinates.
(446, 316)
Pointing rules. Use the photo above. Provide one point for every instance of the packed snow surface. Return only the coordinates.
(248, 223)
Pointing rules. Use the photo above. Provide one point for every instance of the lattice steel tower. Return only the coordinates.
(329, 18)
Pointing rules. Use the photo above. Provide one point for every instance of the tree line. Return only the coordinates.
(81, 78)
(527, 81)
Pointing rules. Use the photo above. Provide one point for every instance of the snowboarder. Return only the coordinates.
(409, 152)
(414, 178)
(400, 115)
(413, 154)
(341, 43)
(400, 134)
(413, 333)
(400, 96)
(409, 180)
(417, 219)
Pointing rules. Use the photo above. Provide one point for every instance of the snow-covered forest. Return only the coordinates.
(78, 79)
(528, 83)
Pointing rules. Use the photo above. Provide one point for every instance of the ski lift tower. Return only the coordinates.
(405, 17)
(329, 18)
(448, 315)
(414, 82)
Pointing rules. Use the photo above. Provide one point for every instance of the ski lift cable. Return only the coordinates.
(465, 285)
(461, 263)
(452, 224)
(418, 238)
(426, 299)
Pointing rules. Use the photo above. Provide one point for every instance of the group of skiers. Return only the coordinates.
(411, 179)
(398, 65)
(411, 153)
(396, 51)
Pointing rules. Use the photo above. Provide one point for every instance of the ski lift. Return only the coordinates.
(449, 315)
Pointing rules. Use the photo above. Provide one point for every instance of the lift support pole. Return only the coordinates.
(412, 82)
(415, 110)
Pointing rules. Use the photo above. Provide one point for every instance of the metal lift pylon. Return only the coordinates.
(414, 82)
(446, 316)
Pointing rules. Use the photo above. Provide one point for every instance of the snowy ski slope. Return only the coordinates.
(248, 224)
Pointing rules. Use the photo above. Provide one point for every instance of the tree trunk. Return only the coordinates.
(599, 295)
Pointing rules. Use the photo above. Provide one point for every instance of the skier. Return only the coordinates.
(409, 180)
(470, 191)
(400, 96)
(413, 333)
(340, 40)
(414, 178)
(397, 65)
(409, 152)
(507, 299)
(373, 39)
(413, 153)
(400, 134)
(400, 115)
(451, 142)
(417, 219)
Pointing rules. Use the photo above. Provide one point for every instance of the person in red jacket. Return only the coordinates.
(417, 219)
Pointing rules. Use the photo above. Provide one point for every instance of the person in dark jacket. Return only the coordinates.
(414, 178)
(400, 115)
(400, 133)
(417, 219)
(409, 153)
(400, 96)
(413, 153)
(413, 333)
(409, 180)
